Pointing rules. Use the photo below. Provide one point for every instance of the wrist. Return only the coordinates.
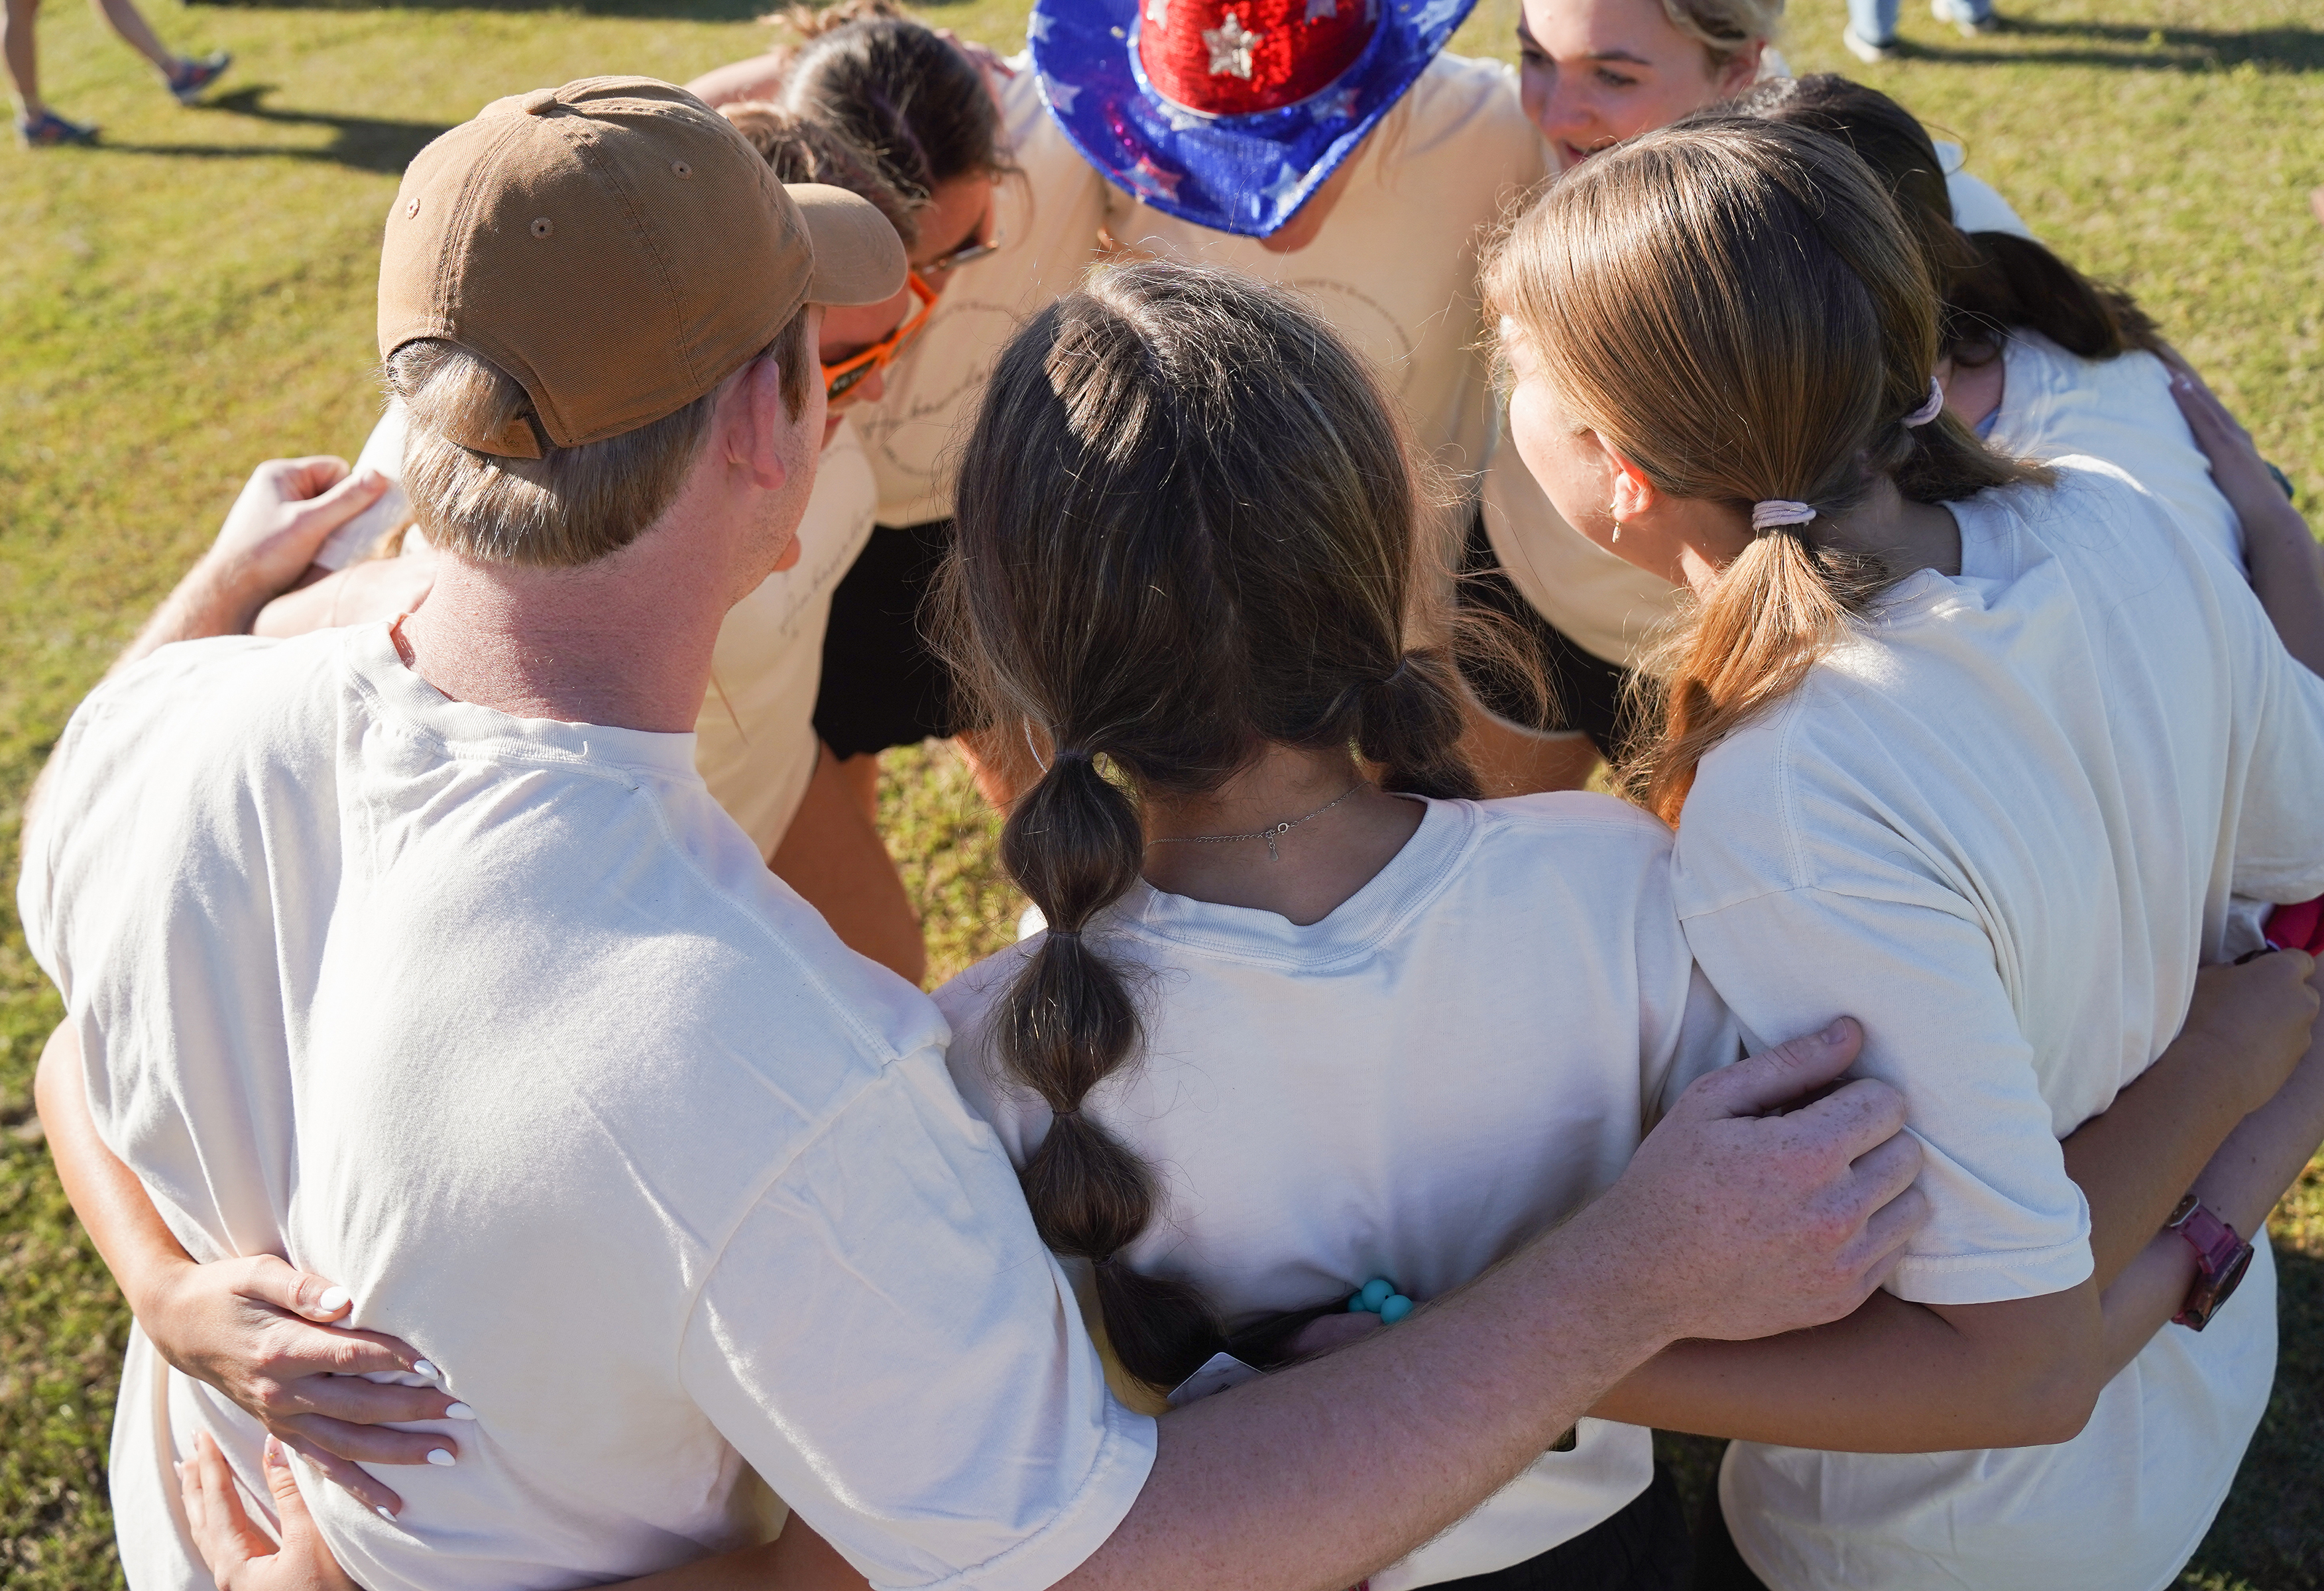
(152, 1285)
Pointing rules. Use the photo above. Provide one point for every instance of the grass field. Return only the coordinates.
(198, 295)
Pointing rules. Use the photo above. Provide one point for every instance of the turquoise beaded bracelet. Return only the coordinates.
(1379, 1297)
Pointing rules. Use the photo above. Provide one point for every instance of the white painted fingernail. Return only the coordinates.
(441, 1455)
(334, 1299)
(384, 1514)
(424, 1368)
(460, 1412)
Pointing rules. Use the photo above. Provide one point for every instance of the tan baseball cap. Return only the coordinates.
(618, 248)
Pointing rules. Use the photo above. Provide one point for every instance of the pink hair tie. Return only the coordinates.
(1774, 512)
(1930, 410)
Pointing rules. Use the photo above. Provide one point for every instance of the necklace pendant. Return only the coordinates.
(1272, 854)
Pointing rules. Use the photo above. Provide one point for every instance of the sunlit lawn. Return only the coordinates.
(198, 295)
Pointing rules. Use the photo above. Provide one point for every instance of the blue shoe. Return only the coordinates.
(50, 130)
(1966, 18)
(189, 78)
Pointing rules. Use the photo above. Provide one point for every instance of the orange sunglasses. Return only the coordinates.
(840, 379)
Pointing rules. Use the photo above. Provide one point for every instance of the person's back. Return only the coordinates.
(426, 1091)
(1461, 1054)
(2075, 751)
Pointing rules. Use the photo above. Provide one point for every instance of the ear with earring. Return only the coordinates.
(1618, 522)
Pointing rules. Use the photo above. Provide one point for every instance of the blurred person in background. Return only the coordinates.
(40, 127)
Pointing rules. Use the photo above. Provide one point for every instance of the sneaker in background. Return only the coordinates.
(189, 78)
(1970, 21)
(50, 130)
(1864, 49)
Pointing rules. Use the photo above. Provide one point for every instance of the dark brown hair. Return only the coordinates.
(897, 91)
(1734, 308)
(1186, 528)
(802, 150)
(1992, 282)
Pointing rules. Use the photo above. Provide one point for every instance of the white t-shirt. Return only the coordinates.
(755, 739)
(2055, 404)
(1604, 603)
(2000, 826)
(504, 1025)
(1049, 221)
(754, 742)
(1466, 1050)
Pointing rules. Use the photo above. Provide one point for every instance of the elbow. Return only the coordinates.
(2051, 1398)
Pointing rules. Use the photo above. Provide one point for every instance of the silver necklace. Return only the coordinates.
(1271, 834)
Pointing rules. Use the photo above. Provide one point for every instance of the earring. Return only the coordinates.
(1618, 532)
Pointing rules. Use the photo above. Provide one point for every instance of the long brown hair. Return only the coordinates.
(1992, 282)
(802, 150)
(895, 89)
(1187, 529)
(1734, 308)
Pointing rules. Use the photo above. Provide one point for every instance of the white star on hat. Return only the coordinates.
(1437, 13)
(1333, 104)
(1152, 181)
(1285, 185)
(1036, 26)
(1157, 11)
(1061, 95)
(1231, 45)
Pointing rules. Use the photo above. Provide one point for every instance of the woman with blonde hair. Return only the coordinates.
(1987, 748)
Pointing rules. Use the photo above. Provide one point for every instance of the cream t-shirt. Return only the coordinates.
(1466, 1050)
(1048, 219)
(504, 1025)
(2000, 826)
(755, 739)
(1394, 268)
(754, 742)
(1606, 605)
(2054, 404)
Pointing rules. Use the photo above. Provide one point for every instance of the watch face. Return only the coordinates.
(2232, 1279)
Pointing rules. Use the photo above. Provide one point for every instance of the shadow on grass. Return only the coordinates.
(2124, 48)
(363, 144)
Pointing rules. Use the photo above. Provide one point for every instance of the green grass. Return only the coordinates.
(198, 296)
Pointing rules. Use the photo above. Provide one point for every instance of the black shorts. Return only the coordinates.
(884, 684)
(1644, 1547)
(1586, 693)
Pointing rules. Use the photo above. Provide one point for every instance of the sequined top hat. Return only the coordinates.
(1229, 113)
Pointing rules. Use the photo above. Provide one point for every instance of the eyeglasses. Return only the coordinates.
(840, 379)
(967, 254)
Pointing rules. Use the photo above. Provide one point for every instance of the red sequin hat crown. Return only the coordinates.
(1233, 58)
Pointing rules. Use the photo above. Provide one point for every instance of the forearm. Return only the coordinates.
(2287, 575)
(1894, 1377)
(113, 1205)
(2134, 1161)
(1311, 1478)
(215, 598)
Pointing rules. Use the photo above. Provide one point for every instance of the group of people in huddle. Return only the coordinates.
(1287, 460)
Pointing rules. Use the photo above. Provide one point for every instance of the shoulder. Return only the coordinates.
(968, 1002)
(1471, 105)
(1569, 821)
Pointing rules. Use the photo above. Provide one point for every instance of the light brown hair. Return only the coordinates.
(1734, 308)
(1186, 528)
(895, 89)
(572, 506)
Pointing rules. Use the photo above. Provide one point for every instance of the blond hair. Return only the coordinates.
(1725, 28)
(572, 506)
(1734, 308)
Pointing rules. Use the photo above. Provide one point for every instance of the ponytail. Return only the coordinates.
(1410, 724)
(1074, 844)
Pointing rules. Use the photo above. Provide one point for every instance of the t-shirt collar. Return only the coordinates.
(401, 691)
(1391, 898)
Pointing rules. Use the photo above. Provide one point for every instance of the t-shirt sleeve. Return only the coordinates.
(2280, 822)
(884, 1339)
(2005, 1222)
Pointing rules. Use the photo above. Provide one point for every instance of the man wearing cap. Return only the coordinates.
(417, 953)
